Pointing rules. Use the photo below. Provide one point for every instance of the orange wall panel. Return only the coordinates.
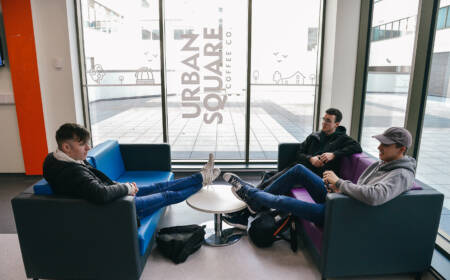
(25, 80)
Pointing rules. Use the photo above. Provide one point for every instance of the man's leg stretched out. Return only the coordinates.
(152, 197)
(257, 199)
(299, 174)
(146, 205)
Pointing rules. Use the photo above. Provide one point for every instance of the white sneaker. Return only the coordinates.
(215, 174)
(209, 173)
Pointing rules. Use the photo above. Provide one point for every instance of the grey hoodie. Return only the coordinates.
(381, 181)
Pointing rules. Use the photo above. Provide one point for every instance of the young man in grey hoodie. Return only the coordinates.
(382, 181)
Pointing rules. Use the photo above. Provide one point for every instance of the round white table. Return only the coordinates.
(217, 199)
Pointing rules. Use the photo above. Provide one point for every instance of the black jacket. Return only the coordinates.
(82, 181)
(338, 143)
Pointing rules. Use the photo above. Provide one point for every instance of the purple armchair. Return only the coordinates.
(360, 240)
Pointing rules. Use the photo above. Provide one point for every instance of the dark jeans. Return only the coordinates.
(155, 196)
(270, 177)
(275, 195)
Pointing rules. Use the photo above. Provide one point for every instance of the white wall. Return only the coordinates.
(10, 148)
(55, 37)
(339, 57)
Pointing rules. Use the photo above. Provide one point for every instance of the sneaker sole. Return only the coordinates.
(253, 212)
(239, 226)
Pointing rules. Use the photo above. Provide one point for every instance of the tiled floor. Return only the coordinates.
(277, 116)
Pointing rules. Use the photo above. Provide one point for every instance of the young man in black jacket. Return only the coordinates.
(322, 150)
(68, 173)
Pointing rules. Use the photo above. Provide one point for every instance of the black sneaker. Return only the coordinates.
(239, 220)
(237, 186)
(239, 189)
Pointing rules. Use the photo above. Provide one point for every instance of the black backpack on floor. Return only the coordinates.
(271, 226)
(177, 243)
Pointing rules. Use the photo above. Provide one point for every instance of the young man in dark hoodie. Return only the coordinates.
(322, 150)
(68, 173)
(382, 181)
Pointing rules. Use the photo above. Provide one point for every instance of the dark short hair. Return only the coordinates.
(335, 112)
(71, 131)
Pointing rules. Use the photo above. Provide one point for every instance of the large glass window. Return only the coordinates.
(206, 78)
(285, 53)
(434, 153)
(206, 55)
(389, 68)
(122, 70)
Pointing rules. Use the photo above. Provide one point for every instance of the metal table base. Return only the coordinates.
(221, 237)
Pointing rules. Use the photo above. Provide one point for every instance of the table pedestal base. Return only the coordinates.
(217, 237)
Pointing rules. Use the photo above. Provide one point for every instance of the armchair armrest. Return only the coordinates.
(287, 154)
(69, 236)
(396, 237)
(145, 157)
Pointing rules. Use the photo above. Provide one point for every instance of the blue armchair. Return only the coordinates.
(69, 238)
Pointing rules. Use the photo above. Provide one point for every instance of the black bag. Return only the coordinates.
(177, 243)
(271, 226)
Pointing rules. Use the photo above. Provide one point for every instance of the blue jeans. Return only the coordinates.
(155, 196)
(274, 196)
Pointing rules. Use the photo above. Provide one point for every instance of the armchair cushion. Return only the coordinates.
(149, 223)
(148, 229)
(42, 187)
(314, 232)
(348, 167)
(107, 158)
(362, 163)
(145, 177)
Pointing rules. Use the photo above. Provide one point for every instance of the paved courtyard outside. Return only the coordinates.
(276, 118)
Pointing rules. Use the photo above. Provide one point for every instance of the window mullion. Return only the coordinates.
(249, 68)
(162, 36)
(415, 108)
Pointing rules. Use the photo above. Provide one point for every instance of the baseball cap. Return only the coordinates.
(394, 135)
